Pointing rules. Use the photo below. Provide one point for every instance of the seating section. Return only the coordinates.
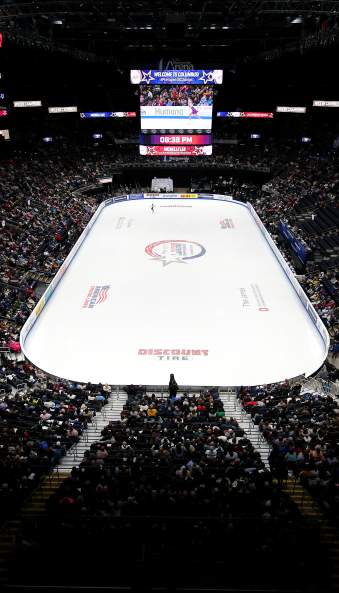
(175, 478)
(40, 419)
(181, 457)
(42, 214)
(303, 430)
(323, 232)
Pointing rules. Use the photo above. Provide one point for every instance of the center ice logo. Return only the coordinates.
(174, 251)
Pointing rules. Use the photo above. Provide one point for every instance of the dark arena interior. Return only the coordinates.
(129, 458)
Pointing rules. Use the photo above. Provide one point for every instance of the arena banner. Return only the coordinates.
(301, 294)
(124, 114)
(286, 109)
(321, 103)
(176, 139)
(223, 197)
(135, 196)
(119, 199)
(71, 109)
(27, 103)
(249, 114)
(167, 195)
(104, 114)
(103, 180)
(175, 150)
(176, 76)
(296, 245)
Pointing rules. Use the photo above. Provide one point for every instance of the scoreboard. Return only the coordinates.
(176, 139)
(176, 111)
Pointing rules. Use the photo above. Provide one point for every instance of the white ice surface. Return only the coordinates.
(192, 305)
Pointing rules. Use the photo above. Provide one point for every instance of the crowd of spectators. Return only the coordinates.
(40, 419)
(261, 160)
(172, 456)
(301, 425)
(41, 217)
(177, 95)
(40, 220)
(177, 477)
(179, 457)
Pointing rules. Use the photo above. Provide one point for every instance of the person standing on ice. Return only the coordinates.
(173, 387)
(152, 208)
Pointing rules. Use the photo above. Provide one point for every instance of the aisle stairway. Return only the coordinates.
(233, 408)
(111, 412)
(329, 536)
(33, 508)
(36, 504)
(8, 537)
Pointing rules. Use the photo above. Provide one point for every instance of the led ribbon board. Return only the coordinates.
(27, 103)
(176, 77)
(71, 109)
(176, 139)
(254, 114)
(103, 114)
(175, 150)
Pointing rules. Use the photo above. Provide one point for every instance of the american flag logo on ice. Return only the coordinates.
(96, 295)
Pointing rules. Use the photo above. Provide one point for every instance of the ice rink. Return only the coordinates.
(191, 288)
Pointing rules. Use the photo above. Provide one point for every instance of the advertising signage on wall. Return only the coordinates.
(298, 247)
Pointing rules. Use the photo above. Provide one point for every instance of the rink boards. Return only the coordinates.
(194, 286)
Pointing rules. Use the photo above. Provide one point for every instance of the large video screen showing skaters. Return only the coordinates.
(185, 107)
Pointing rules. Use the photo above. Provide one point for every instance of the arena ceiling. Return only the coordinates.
(115, 30)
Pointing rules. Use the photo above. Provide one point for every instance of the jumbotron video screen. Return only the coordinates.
(176, 107)
(176, 111)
